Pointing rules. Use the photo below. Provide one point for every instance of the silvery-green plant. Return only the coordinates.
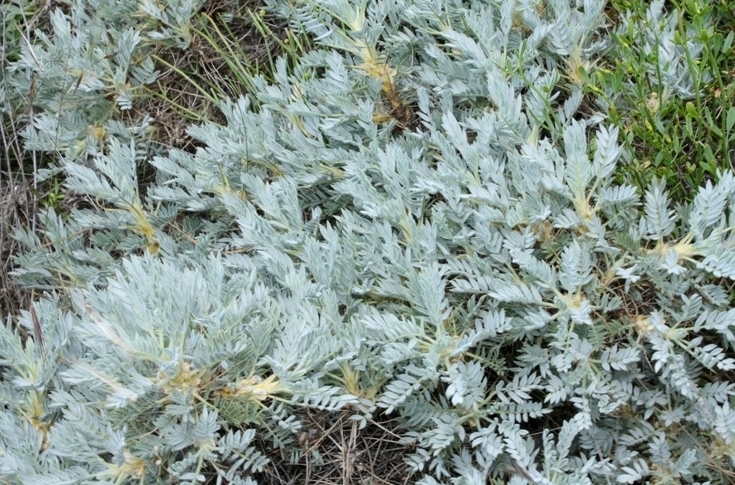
(90, 66)
(419, 221)
(78, 78)
(148, 379)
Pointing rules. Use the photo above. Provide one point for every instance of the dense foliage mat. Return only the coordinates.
(410, 238)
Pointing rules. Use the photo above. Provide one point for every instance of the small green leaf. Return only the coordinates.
(691, 110)
(730, 118)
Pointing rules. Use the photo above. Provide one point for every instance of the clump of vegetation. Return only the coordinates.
(399, 241)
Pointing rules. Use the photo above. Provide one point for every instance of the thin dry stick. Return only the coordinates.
(37, 333)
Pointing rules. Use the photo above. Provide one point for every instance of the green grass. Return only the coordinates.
(18, 187)
(683, 141)
(241, 43)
